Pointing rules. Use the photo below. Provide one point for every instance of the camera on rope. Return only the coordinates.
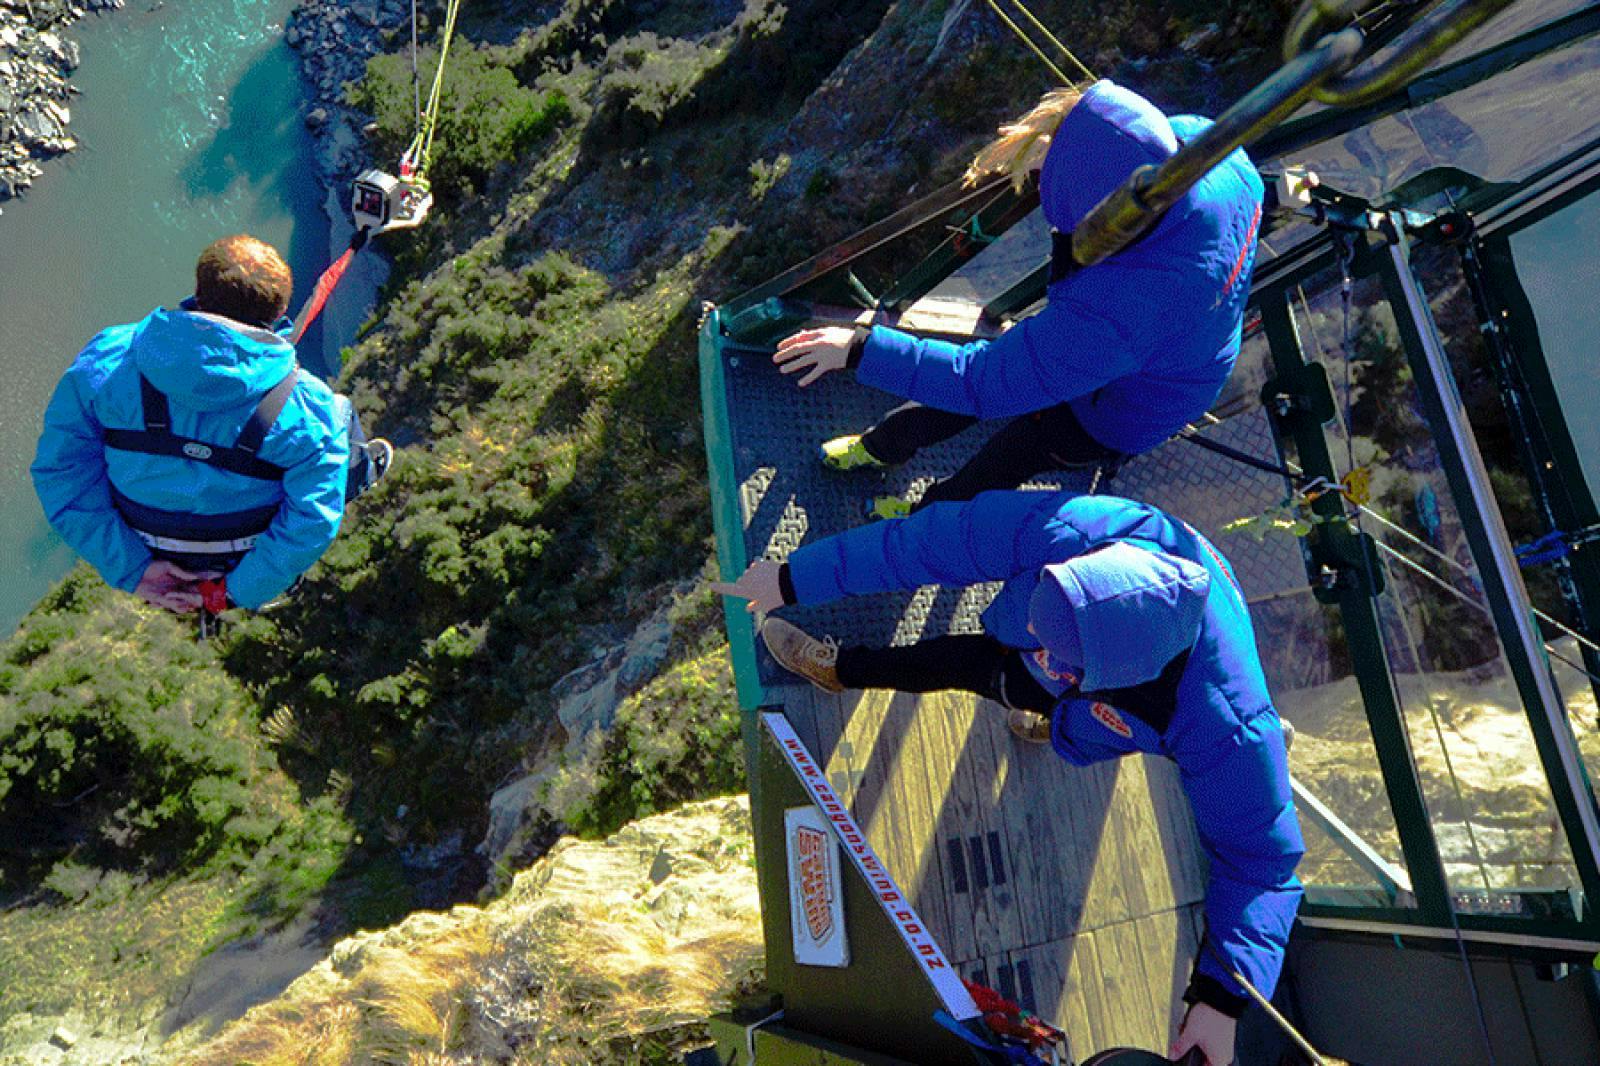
(380, 201)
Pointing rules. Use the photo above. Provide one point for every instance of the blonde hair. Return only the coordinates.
(1022, 145)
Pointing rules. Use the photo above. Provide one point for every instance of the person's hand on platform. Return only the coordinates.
(171, 587)
(1210, 1030)
(815, 351)
(760, 585)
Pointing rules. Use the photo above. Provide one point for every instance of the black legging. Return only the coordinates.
(967, 663)
(1051, 439)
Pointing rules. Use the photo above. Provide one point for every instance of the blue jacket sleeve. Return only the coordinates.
(1238, 788)
(1064, 351)
(69, 475)
(306, 523)
(993, 537)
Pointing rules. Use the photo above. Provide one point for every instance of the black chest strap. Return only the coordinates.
(157, 438)
(1062, 265)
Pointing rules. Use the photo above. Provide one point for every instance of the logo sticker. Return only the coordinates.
(196, 451)
(816, 890)
(1107, 716)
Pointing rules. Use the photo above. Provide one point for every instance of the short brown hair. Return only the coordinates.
(243, 279)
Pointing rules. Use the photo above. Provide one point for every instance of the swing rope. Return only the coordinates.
(420, 153)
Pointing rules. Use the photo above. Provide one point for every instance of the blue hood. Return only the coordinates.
(208, 363)
(1136, 610)
(1107, 135)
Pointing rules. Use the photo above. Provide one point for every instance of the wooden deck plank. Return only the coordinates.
(1033, 831)
(952, 728)
(893, 803)
(933, 745)
(1132, 1016)
(1186, 860)
(1170, 941)
(800, 707)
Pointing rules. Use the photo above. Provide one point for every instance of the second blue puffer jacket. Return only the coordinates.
(1223, 732)
(1139, 344)
(213, 372)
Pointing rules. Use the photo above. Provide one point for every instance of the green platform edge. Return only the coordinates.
(727, 519)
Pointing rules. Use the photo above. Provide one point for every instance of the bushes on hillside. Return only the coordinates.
(486, 117)
(121, 742)
(674, 741)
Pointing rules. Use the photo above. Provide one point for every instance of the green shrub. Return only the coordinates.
(674, 741)
(486, 117)
(122, 743)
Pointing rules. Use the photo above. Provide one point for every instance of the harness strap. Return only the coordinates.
(157, 438)
(1062, 265)
(266, 413)
(197, 547)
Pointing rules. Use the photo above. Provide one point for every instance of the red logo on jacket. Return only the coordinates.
(1107, 716)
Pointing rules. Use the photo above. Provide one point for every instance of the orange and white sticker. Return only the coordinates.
(1107, 716)
(816, 898)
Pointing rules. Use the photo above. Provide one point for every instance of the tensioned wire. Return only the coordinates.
(1035, 49)
(421, 150)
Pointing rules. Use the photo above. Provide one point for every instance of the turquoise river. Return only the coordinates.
(189, 125)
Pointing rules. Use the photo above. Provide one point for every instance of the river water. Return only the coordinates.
(189, 126)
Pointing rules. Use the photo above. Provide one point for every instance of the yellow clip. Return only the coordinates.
(1358, 486)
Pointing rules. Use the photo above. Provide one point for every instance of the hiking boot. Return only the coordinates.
(380, 454)
(887, 507)
(849, 453)
(1028, 725)
(802, 654)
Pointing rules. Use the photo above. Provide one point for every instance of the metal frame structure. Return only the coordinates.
(1339, 558)
(953, 224)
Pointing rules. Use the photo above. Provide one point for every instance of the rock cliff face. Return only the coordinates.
(335, 39)
(596, 949)
(35, 60)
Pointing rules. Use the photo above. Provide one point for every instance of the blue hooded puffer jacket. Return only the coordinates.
(1176, 594)
(214, 372)
(1141, 343)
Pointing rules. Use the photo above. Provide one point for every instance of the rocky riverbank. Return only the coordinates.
(335, 38)
(35, 62)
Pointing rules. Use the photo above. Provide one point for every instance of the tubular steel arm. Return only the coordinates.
(1320, 71)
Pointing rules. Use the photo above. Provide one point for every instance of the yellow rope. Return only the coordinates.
(1063, 49)
(1062, 78)
(421, 150)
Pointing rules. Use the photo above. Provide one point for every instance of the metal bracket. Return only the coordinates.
(1302, 394)
(1342, 560)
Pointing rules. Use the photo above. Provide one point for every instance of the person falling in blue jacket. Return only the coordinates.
(188, 446)
(1122, 355)
(1119, 629)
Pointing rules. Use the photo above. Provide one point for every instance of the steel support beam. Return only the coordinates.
(1496, 559)
(1364, 634)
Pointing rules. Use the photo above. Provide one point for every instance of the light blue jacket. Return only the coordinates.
(1141, 343)
(1223, 732)
(213, 372)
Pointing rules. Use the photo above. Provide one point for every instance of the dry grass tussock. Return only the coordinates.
(602, 953)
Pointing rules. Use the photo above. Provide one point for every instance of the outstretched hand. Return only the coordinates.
(171, 587)
(815, 351)
(1210, 1030)
(759, 584)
